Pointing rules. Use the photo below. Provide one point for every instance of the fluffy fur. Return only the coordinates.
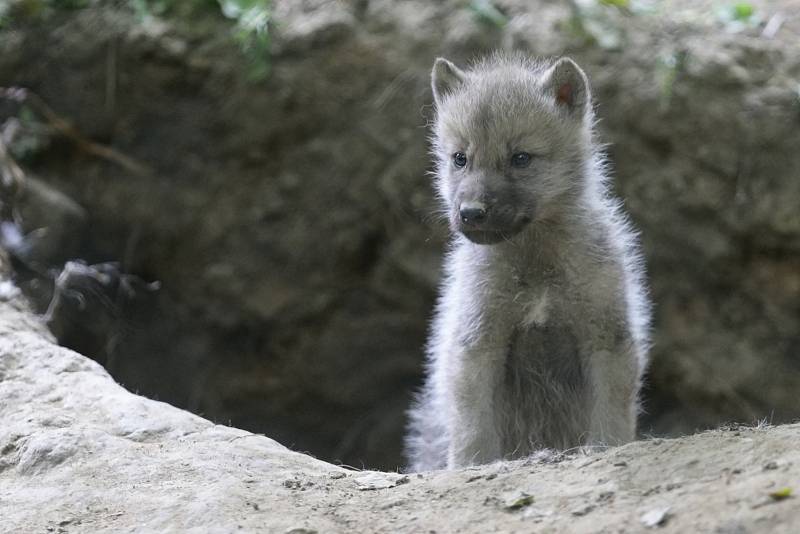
(540, 334)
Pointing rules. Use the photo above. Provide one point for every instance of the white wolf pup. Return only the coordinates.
(541, 331)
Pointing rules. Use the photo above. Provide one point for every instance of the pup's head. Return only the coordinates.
(511, 138)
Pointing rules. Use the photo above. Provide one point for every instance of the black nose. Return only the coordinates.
(472, 215)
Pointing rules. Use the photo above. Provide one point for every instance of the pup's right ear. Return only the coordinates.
(445, 79)
(568, 86)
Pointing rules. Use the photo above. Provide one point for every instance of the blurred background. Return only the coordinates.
(226, 203)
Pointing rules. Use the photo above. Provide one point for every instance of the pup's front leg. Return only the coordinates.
(477, 374)
(615, 376)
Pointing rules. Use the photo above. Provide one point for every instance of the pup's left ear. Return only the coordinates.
(568, 86)
(445, 78)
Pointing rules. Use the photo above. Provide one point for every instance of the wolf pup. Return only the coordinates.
(540, 335)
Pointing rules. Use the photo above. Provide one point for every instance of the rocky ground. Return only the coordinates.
(289, 220)
(78, 453)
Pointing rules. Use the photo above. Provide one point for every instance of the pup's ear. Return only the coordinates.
(445, 78)
(568, 86)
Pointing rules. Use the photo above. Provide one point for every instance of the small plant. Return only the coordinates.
(12, 11)
(68, 4)
(178, 9)
(668, 68)
(253, 18)
(488, 13)
(615, 3)
(25, 134)
(601, 22)
(593, 21)
(738, 16)
(742, 11)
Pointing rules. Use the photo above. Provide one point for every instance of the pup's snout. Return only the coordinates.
(472, 213)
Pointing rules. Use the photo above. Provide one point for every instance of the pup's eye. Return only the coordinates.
(459, 159)
(520, 160)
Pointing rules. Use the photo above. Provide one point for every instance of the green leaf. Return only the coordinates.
(742, 11)
(520, 501)
(487, 12)
(616, 3)
(69, 4)
(783, 493)
(253, 18)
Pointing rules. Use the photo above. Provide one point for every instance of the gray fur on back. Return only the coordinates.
(541, 329)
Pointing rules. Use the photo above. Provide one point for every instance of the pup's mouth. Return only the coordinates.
(486, 237)
(492, 236)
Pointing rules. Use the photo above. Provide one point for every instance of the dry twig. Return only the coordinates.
(63, 127)
(12, 180)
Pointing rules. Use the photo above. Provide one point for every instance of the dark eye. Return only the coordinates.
(459, 159)
(520, 160)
